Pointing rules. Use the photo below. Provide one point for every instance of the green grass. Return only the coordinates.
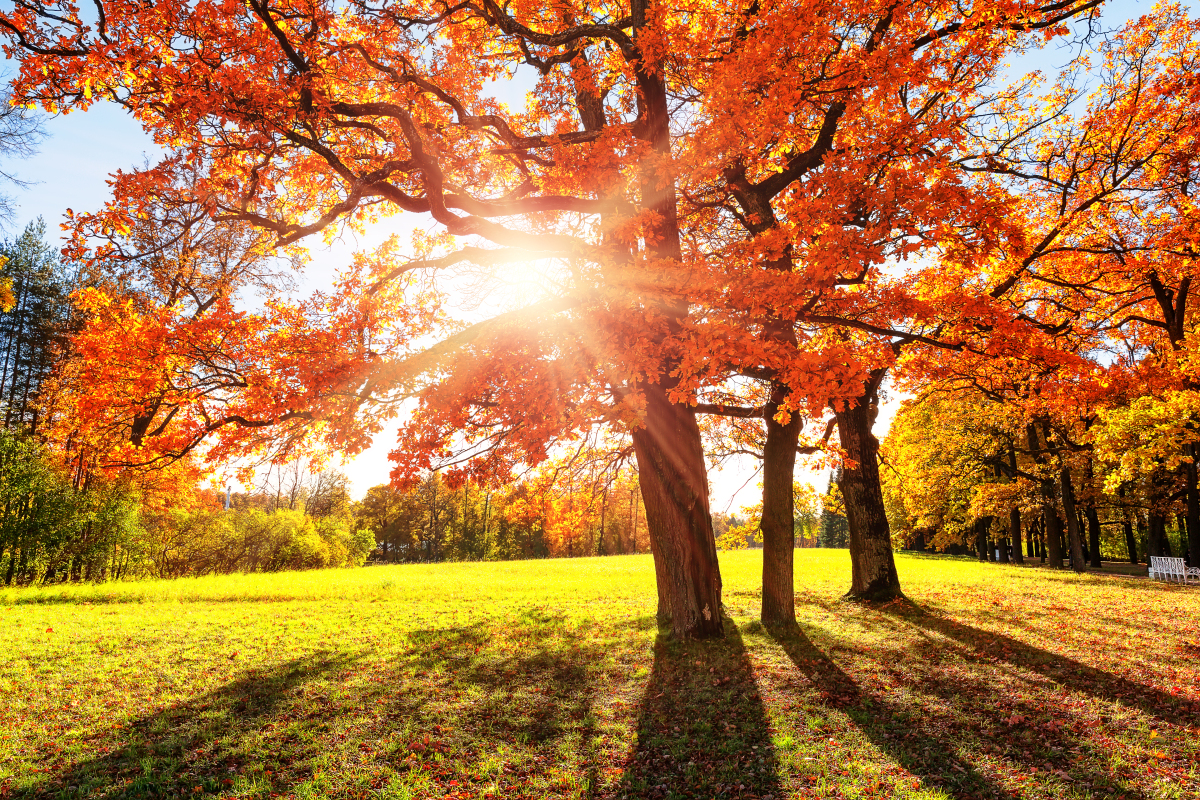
(548, 679)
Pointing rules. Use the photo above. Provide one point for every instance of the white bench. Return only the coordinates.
(1166, 569)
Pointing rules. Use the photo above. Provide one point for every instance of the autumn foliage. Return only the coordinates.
(762, 213)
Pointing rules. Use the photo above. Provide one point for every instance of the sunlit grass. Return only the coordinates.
(545, 679)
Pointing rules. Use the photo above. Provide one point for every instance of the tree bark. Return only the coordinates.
(1081, 526)
(1157, 544)
(873, 569)
(1073, 540)
(778, 513)
(1014, 515)
(1052, 549)
(671, 469)
(674, 485)
(1193, 509)
(1130, 542)
(981, 537)
(1093, 521)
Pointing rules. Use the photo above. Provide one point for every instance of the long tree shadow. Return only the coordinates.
(200, 746)
(895, 730)
(1068, 672)
(702, 729)
(971, 720)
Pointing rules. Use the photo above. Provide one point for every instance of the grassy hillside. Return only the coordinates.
(546, 679)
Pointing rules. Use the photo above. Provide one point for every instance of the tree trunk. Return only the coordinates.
(778, 513)
(981, 537)
(1130, 542)
(873, 569)
(1157, 536)
(674, 484)
(1014, 516)
(671, 469)
(1073, 540)
(1193, 508)
(1052, 549)
(1081, 526)
(1093, 520)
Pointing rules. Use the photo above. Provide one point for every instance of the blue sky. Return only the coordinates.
(83, 148)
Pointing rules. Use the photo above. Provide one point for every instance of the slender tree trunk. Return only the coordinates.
(603, 514)
(1130, 542)
(873, 569)
(1014, 530)
(1081, 526)
(20, 342)
(1068, 499)
(1014, 515)
(1093, 520)
(778, 527)
(487, 508)
(674, 484)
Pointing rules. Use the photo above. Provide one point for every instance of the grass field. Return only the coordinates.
(547, 679)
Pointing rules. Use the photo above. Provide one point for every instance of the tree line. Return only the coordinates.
(962, 470)
(713, 231)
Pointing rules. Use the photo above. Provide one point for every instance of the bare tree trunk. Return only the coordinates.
(1068, 499)
(873, 569)
(674, 484)
(778, 527)
(1093, 520)
(1014, 531)
(1130, 542)
(1014, 516)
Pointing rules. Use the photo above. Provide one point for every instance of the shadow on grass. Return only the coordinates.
(534, 702)
(895, 729)
(1068, 672)
(198, 747)
(449, 710)
(958, 716)
(702, 727)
